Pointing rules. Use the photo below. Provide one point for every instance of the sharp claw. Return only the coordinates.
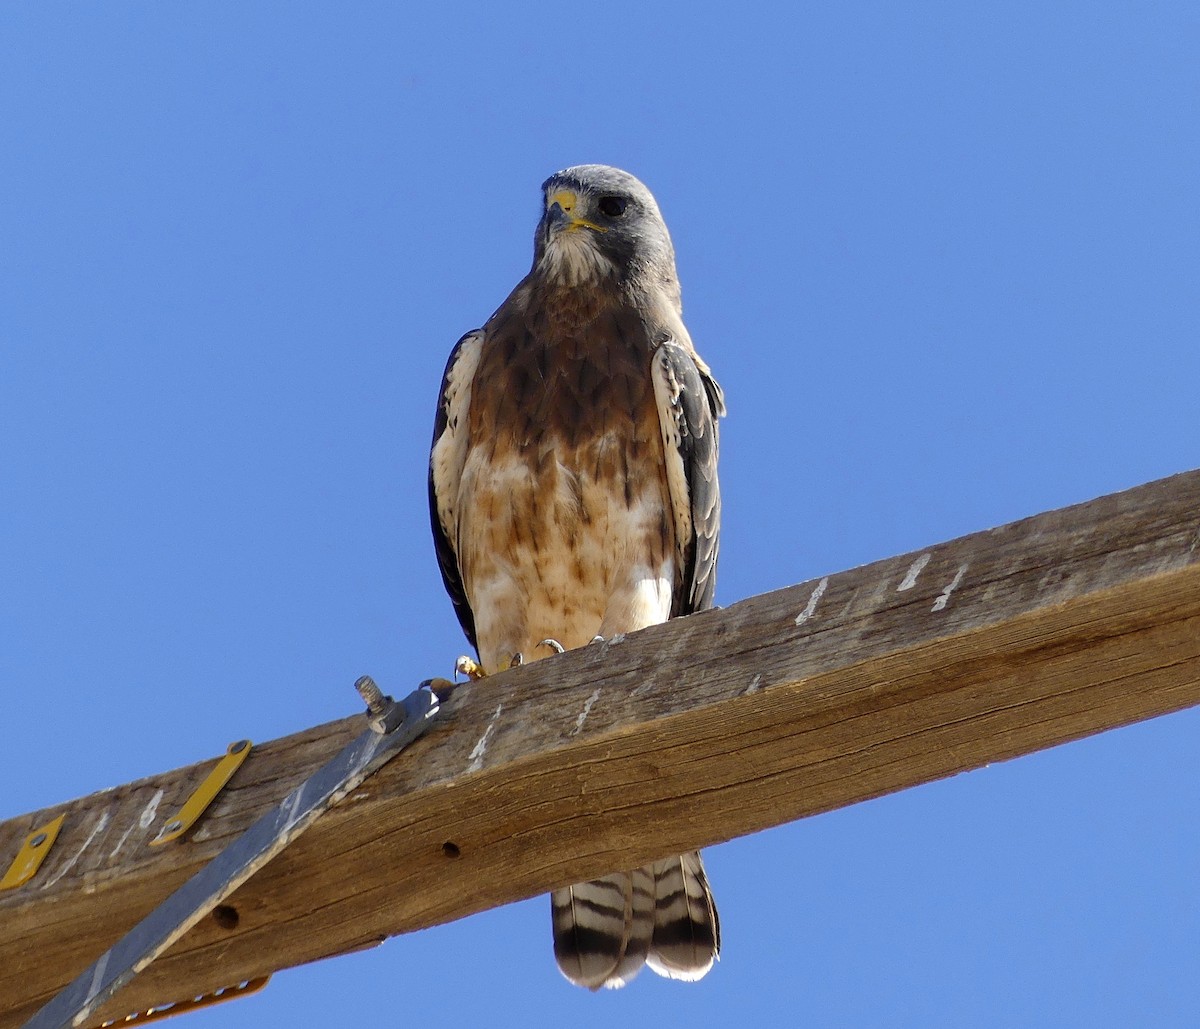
(554, 645)
(518, 659)
(440, 688)
(469, 667)
(595, 639)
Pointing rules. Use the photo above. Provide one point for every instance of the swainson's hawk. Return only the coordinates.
(573, 493)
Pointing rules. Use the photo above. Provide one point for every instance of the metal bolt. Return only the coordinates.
(372, 695)
(172, 826)
(38, 840)
(237, 748)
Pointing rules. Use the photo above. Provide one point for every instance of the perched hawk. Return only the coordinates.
(573, 493)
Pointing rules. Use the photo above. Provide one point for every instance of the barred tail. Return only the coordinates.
(687, 931)
(603, 928)
(662, 915)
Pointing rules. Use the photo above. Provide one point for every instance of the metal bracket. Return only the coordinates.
(181, 1007)
(204, 794)
(32, 853)
(393, 726)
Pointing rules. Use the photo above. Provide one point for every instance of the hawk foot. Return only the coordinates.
(469, 667)
(440, 688)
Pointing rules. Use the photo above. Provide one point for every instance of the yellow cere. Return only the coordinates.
(565, 199)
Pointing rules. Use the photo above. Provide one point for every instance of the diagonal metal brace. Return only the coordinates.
(393, 726)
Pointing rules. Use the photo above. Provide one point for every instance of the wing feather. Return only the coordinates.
(446, 461)
(689, 404)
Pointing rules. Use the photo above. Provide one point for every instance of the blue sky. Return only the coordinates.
(942, 257)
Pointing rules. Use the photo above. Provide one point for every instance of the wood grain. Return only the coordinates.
(724, 723)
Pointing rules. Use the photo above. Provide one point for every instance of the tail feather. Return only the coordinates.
(639, 930)
(687, 929)
(602, 928)
(661, 914)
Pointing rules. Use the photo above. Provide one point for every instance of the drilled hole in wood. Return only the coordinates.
(226, 916)
(450, 849)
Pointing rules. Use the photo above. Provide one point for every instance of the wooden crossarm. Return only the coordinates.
(724, 723)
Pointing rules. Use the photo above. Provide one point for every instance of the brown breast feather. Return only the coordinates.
(566, 381)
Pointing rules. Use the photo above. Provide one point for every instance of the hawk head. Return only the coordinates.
(601, 224)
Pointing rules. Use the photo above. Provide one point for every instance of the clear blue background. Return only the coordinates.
(942, 256)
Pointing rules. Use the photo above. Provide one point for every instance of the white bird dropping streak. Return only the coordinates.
(811, 606)
(944, 599)
(587, 709)
(146, 818)
(96, 830)
(915, 569)
(477, 752)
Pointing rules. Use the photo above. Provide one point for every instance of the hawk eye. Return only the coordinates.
(613, 207)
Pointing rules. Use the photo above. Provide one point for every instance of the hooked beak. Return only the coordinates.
(560, 213)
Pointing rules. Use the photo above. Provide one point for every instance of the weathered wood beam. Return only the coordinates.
(785, 705)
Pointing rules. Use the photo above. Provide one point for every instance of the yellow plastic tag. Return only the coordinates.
(204, 795)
